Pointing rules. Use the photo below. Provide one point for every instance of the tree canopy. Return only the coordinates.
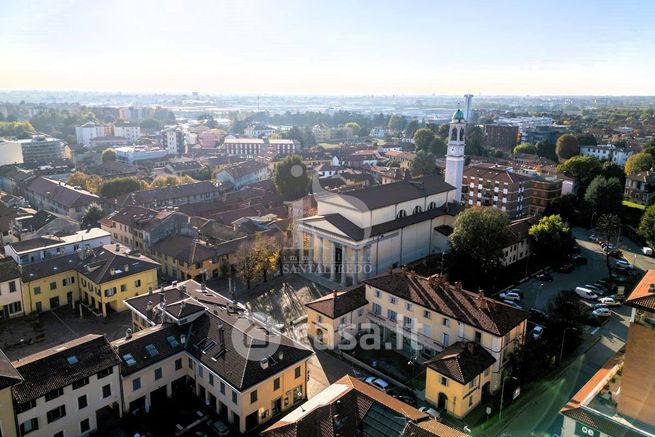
(89, 182)
(92, 215)
(525, 148)
(604, 195)
(638, 162)
(646, 229)
(546, 149)
(552, 238)
(567, 146)
(291, 178)
(583, 168)
(423, 138)
(586, 140)
(423, 164)
(120, 186)
(163, 181)
(109, 155)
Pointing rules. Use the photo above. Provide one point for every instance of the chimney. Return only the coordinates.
(112, 272)
(149, 306)
(264, 363)
(470, 346)
(128, 333)
(458, 286)
(182, 339)
(334, 294)
(651, 288)
(221, 336)
(118, 247)
(126, 267)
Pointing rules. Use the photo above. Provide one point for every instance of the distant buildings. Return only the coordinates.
(549, 134)
(171, 196)
(607, 152)
(127, 130)
(112, 141)
(258, 131)
(43, 149)
(11, 152)
(173, 140)
(488, 185)
(90, 130)
(134, 154)
(243, 173)
(59, 198)
(499, 136)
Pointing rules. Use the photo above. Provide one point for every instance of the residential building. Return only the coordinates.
(173, 140)
(110, 141)
(619, 399)
(59, 198)
(72, 389)
(501, 136)
(100, 278)
(11, 292)
(9, 377)
(380, 132)
(39, 249)
(639, 187)
(519, 246)
(538, 133)
(11, 152)
(135, 154)
(249, 147)
(171, 196)
(184, 168)
(258, 131)
(116, 169)
(607, 152)
(128, 130)
(91, 130)
(496, 186)
(283, 147)
(210, 139)
(41, 224)
(404, 159)
(322, 133)
(243, 173)
(200, 339)
(543, 190)
(41, 149)
(352, 407)
(362, 232)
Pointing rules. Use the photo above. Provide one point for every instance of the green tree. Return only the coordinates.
(308, 139)
(423, 164)
(20, 129)
(290, 177)
(474, 139)
(163, 181)
(528, 148)
(567, 146)
(586, 140)
(92, 215)
(611, 170)
(638, 162)
(551, 238)
(546, 149)
(423, 138)
(438, 147)
(472, 243)
(90, 183)
(610, 226)
(395, 122)
(583, 168)
(646, 229)
(411, 129)
(565, 206)
(119, 186)
(604, 195)
(354, 126)
(443, 131)
(204, 174)
(150, 124)
(109, 155)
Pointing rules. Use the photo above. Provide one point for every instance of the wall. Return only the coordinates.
(7, 423)
(7, 297)
(462, 398)
(637, 398)
(31, 298)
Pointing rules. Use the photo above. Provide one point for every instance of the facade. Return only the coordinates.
(537, 133)
(258, 131)
(11, 152)
(59, 198)
(496, 186)
(519, 247)
(283, 147)
(543, 190)
(207, 344)
(455, 153)
(11, 292)
(173, 140)
(619, 400)
(501, 136)
(172, 196)
(113, 141)
(638, 187)
(9, 377)
(127, 130)
(607, 152)
(72, 389)
(42, 248)
(132, 154)
(249, 147)
(322, 133)
(43, 149)
(91, 130)
(182, 168)
(243, 173)
(360, 233)
(41, 224)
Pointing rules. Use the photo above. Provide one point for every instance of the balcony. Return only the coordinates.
(406, 332)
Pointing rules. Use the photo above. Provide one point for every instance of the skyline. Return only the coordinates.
(311, 48)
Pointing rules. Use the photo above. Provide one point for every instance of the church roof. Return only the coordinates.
(458, 115)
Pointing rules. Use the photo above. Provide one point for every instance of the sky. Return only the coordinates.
(500, 47)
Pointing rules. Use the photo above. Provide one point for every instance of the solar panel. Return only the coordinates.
(129, 359)
(72, 360)
(152, 350)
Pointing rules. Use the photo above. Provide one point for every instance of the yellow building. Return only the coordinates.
(9, 377)
(457, 378)
(101, 278)
(183, 257)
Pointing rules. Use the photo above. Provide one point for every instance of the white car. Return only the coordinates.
(623, 263)
(513, 304)
(431, 412)
(602, 312)
(510, 295)
(594, 288)
(378, 383)
(647, 251)
(610, 302)
(537, 332)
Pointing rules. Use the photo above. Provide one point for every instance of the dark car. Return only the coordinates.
(579, 259)
(545, 277)
(407, 399)
(616, 254)
(566, 268)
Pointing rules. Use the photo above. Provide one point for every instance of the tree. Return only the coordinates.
(438, 147)
(354, 126)
(423, 138)
(564, 206)
(638, 162)
(150, 124)
(411, 129)
(16, 129)
(546, 149)
(245, 263)
(92, 215)
(204, 174)
(472, 240)
(528, 148)
(586, 140)
(567, 146)
(646, 229)
(551, 238)
(308, 139)
(163, 181)
(610, 225)
(443, 131)
(604, 195)
(583, 168)
(395, 123)
(423, 164)
(90, 183)
(266, 251)
(474, 139)
(109, 155)
(611, 170)
(119, 186)
(290, 177)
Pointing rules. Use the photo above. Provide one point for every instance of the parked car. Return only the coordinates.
(513, 304)
(510, 295)
(579, 259)
(615, 254)
(565, 268)
(378, 383)
(406, 399)
(594, 288)
(220, 428)
(647, 251)
(598, 306)
(586, 293)
(624, 264)
(431, 412)
(545, 277)
(537, 332)
(618, 298)
(609, 301)
(602, 312)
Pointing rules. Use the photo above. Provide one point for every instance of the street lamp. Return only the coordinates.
(561, 352)
(502, 396)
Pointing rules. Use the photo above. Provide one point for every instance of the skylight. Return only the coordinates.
(172, 341)
(210, 345)
(129, 359)
(72, 360)
(152, 350)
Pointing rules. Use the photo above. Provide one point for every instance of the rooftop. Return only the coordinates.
(643, 295)
(338, 303)
(462, 361)
(42, 243)
(69, 197)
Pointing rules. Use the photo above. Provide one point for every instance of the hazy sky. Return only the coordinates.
(330, 46)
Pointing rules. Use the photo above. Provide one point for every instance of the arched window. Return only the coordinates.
(432, 205)
(461, 134)
(453, 134)
(418, 209)
(402, 213)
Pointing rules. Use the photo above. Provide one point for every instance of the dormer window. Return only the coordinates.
(432, 205)
(402, 213)
(418, 209)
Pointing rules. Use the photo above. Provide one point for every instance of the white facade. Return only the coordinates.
(66, 245)
(11, 152)
(455, 154)
(607, 152)
(130, 154)
(131, 132)
(90, 130)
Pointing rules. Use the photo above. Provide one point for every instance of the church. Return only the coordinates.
(363, 233)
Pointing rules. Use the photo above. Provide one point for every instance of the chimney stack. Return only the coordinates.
(470, 346)
(334, 294)
(221, 336)
(458, 286)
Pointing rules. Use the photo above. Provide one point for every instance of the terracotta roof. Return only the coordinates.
(471, 308)
(490, 172)
(245, 168)
(338, 303)
(61, 193)
(462, 361)
(191, 250)
(642, 297)
(50, 369)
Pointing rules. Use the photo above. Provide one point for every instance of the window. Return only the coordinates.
(444, 381)
(426, 314)
(320, 319)
(211, 379)
(444, 339)
(26, 406)
(53, 286)
(54, 394)
(200, 371)
(391, 315)
(478, 337)
(426, 330)
(152, 350)
(222, 387)
(360, 312)
(393, 300)
(12, 286)
(29, 426)
(37, 290)
(82, 402)
(470, 400)
(84, 425)
(137, 283)
(56, 413)
(296, 372)
(377, 293)
(158, 373)
(123, 287)
(407, 322)
(276, 384)
(235, 401)
(105, 373)
(402, 213)
(487, 370)
(14, 307)
(178, 364)
(190, 364)
(418, 209)
(136, 384)
(377, 309)
(408, 306)
(253, 396)
(106, 391)
(432, 205)
(445, 322)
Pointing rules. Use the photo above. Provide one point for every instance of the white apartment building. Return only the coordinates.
(127, 130)
(11, 293)
(90, 130)
(132, 154)
(11, 152)
(250, 147)
(283, 147)
(607, 152)
(258, 131)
